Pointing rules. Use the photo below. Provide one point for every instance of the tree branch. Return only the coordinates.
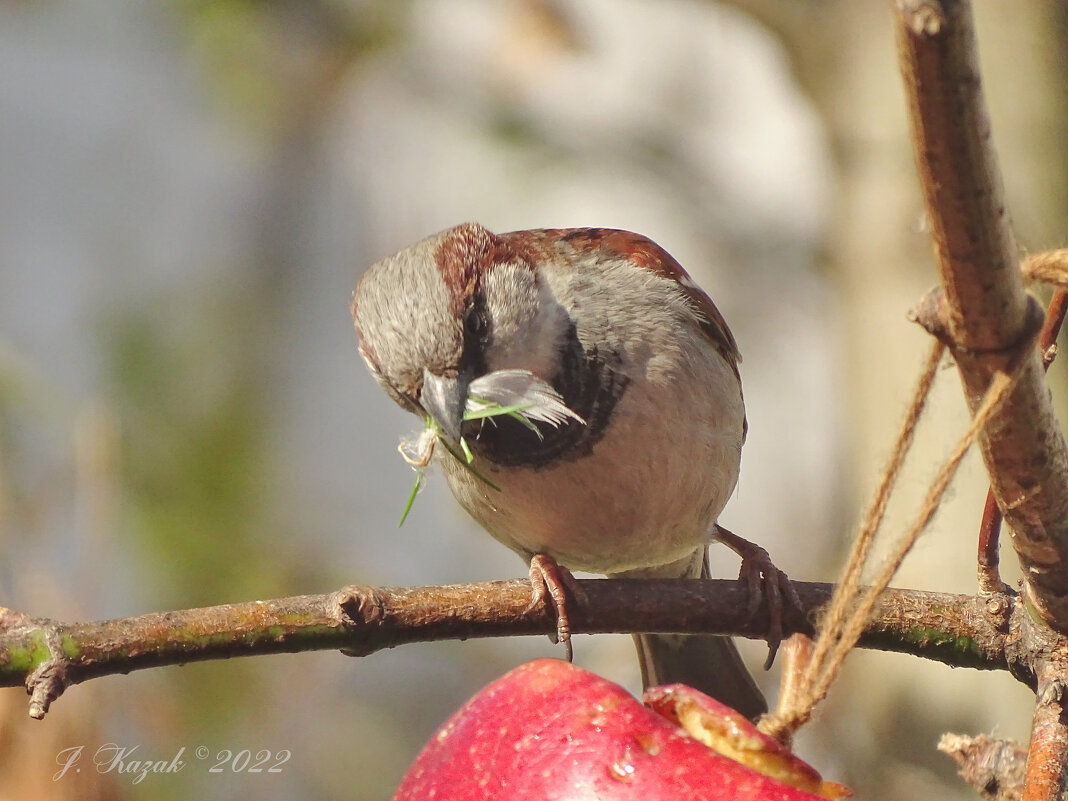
(988, 317)
(48, 656)
(1047, 754)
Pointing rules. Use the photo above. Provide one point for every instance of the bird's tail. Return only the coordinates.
(708, 663)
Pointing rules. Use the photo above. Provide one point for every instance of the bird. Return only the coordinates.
(630, 442)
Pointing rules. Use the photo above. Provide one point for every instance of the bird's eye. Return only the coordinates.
(476, 324)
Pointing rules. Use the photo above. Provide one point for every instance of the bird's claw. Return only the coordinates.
(763, 580)
(550, 583)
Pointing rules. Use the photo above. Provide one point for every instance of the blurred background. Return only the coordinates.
(188, 194)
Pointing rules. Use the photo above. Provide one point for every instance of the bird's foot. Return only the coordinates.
(550, 583)
(763, 580)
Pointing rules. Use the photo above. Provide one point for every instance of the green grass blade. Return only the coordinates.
(411, 498)
(492, 410)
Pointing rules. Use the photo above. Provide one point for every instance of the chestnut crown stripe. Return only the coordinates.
(464, 256)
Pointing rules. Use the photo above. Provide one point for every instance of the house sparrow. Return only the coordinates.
(635, 425)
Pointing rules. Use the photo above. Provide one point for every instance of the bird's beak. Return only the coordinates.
(445, 400)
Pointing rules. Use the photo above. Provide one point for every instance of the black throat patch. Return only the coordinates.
(591, 383)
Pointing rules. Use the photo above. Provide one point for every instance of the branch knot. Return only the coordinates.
(923, 17)
(931, 314)
(359, 607)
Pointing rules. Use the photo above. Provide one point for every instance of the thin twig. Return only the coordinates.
(988, 558)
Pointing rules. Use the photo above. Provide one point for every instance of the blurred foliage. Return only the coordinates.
(261, 57)
(189, 390)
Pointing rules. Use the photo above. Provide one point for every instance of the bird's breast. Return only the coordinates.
(640, 485)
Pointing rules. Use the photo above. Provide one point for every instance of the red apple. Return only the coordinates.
(553, 732)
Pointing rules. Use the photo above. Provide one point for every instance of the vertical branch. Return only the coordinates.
(987, 315)
(1047, 755)
(986, 305)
